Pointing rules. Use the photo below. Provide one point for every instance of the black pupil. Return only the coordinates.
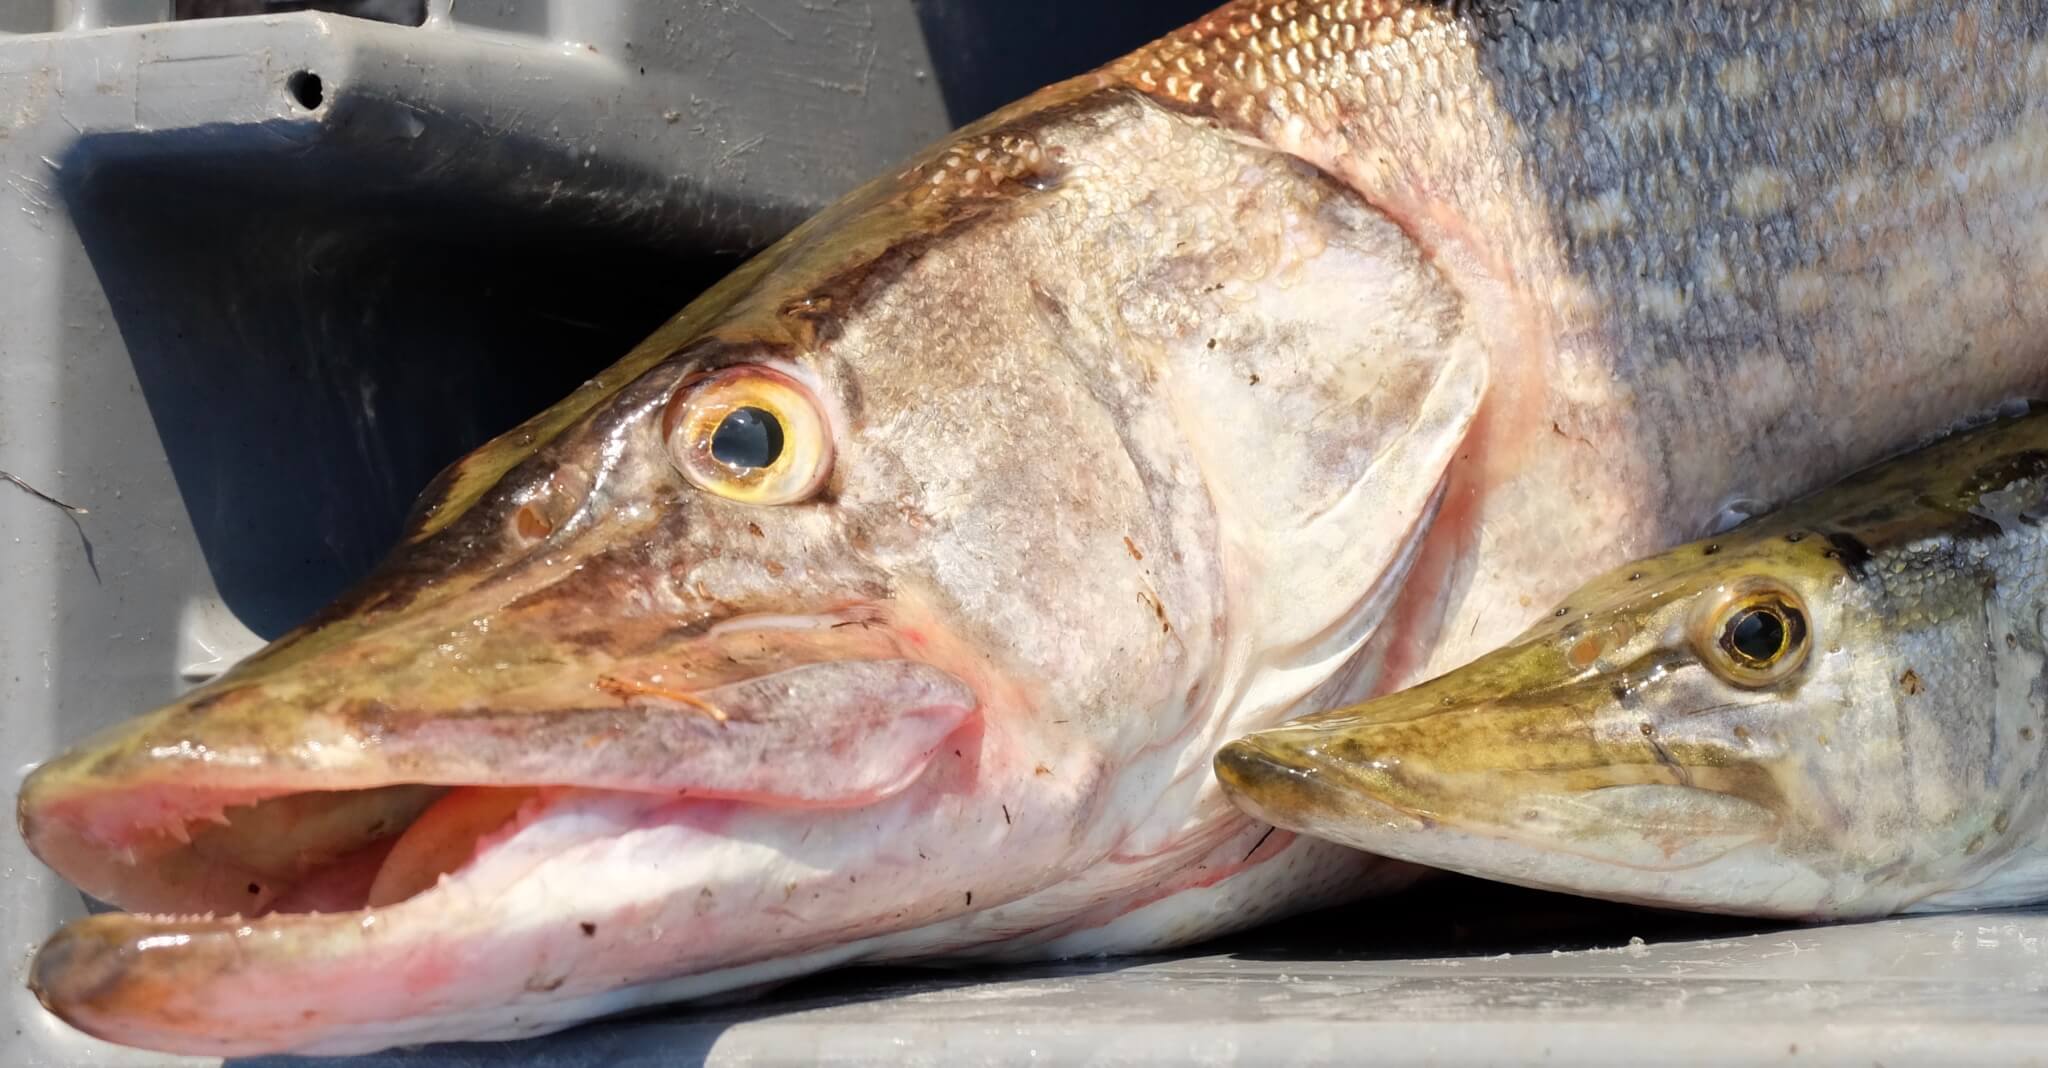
(747, 437)
(1757, 635)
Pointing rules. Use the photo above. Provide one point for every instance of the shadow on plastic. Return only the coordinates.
(986, 54)
(319, 321)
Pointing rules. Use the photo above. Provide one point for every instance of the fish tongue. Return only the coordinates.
(339, 887)
(443, 839)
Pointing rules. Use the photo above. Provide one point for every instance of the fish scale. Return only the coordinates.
(1699, 198)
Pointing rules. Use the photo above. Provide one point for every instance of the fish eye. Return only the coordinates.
(750, 434)
(1757, 636)
(747, 438)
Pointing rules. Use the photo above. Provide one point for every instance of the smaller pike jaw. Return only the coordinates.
(282, 917)
(1523, 795)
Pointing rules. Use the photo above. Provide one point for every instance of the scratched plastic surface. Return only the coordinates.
(1453, 974)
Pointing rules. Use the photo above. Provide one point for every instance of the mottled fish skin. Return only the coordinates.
(1719, 249)
(1885, 753)
(1293, 358)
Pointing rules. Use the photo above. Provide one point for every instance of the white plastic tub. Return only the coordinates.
(1457, 973)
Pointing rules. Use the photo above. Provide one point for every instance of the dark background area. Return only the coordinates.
(403, 12)
(987, 53)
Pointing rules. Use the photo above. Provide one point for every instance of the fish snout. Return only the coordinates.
(1296, 777)
(1508, 789)
(1420, 758)
(370, 852)
(1259, 775)
(339, 737)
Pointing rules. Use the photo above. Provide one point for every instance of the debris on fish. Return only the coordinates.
(892, 601)
(1837, 710)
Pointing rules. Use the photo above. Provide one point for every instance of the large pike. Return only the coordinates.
(1837, 710)
(892, 601)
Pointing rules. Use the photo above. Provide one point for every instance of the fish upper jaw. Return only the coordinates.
(1735, 861)
(1529, 796)
(873, 782)
(566, 902)
(182, 810)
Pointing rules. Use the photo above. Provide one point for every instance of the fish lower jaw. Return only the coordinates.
(155, 978)
(1734, 868)
(573, 903)
(579, 903)
(1744, 878)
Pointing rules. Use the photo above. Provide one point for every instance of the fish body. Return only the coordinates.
(1837, 710)
(892, 601)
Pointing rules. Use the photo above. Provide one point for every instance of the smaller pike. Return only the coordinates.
(1834, 711)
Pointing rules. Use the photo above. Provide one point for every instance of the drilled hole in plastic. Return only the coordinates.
(305, 87)
(401, 12)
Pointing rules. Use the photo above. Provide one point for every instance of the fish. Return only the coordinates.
(891, 602)
(1834, 711)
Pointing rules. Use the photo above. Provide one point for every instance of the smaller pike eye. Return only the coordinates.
(1758, 634)
(747, 437)
(748, 433)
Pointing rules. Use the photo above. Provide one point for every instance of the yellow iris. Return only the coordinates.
(1756, 635)
(750, 434)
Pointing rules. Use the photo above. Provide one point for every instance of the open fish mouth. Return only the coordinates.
(274, 902)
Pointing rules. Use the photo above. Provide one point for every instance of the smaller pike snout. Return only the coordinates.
(1337, 775)
(1246, 766)
(1497, 788)
(1259, 773)
(1399, 757)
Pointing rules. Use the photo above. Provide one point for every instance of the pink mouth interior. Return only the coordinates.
(184, 852)
(342, 886)
(187, 851)
(444, 839)
(256, 842)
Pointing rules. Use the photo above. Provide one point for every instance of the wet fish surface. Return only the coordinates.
(1834, 711)
(892, 601)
